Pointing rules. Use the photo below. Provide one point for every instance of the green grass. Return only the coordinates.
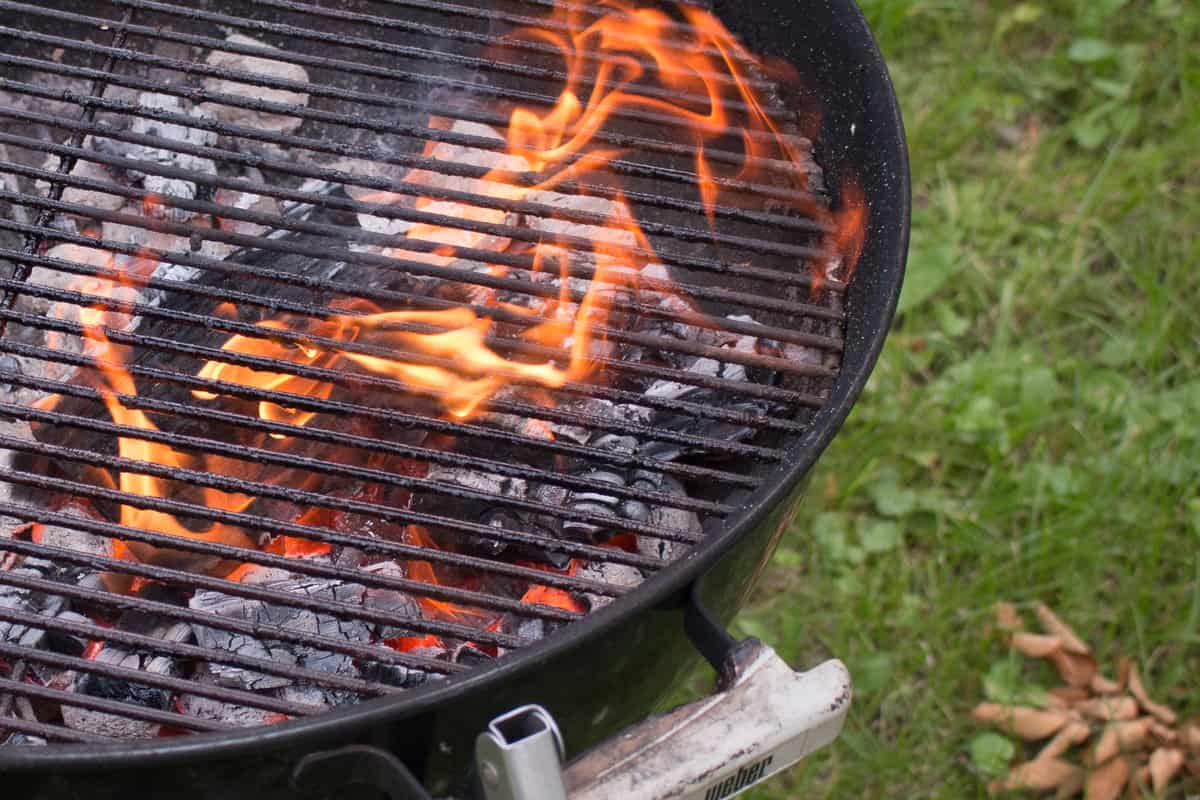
(1033, 429)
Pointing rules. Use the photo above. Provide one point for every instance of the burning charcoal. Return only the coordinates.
(396, 674)
(28, 601)
(667, 518)
(84, 169)
(160, 184)
(310, 695)
(594, 502)
(588, 204)
(68, 643)
(621, 575)
(485, 482)
(265, 67)
(206, 708)
(390, 601)
(279, 616)
(125, 691)
(470, 654)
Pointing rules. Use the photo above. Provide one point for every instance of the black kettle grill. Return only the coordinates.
(377, 71)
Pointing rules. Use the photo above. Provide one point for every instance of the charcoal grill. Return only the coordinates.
(313, 150)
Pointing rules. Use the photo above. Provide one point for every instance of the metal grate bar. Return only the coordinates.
(305, 498)
(312, 465)
(95, 632)
(370, 444)
(449, 273)
(180, 685)
(472, 198)
(301, 402)
(549, 24)
(340, 378)
(317, 569)
(66, 163)
(422, 54)
(260, 592)
(762, 391)
(258, 523)
(393, 211)
(526, 263)
(301, 309)
(130, 710)
(789, 222)
(45, 731)
(424, 133)
(121, 602)
(487, 40)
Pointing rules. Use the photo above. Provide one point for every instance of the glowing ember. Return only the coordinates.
(449, 356)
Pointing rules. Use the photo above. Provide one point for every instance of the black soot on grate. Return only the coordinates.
(334, 367)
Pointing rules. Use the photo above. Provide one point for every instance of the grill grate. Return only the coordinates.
(709, 371)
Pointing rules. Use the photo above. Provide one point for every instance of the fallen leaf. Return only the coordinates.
(1103, 685)
(1109, 708)
(1160, 712)
(1163, 733)
(1072, 786)
(1053, 625)
(1008, 618)
(1069, 695)
(1042, 774)
(1075, 669)
(1036, 645)
(1121, 737)
(1065, 739)
(1107, 781)
(1028, 723)
(1189, 735)
(1165, 764)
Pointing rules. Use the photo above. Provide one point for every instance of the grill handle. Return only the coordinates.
(763, 718)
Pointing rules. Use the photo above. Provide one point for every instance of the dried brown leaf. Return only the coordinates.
(1073, 786)
(1165, 764)
(1028, 723)
(1036, 645)
(1069, 695)
(1103, 685)
(1107, 781)
(1070, 735)
(1041, 774)
(1121, 737)
(1052, 624)
(1109, 708)
(1075, 669)
(1163, 733)
(1189, 736)
(1008, 618)
(1138, 690)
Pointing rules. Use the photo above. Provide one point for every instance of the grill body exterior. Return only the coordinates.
(610, 669)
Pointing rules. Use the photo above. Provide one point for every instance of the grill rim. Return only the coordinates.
(876, 285)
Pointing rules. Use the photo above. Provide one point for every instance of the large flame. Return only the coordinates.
(610, 61)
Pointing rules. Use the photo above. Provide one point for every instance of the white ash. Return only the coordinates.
(102, 686)
(264, 66)
(84, 169)
(484, 482)
(621, 575)
(162, 184)
(614, 233)
(671, 519)
(28, 601)
(390, 601)
(195, 705)
(268, 615)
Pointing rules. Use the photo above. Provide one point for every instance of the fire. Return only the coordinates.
(626, 59)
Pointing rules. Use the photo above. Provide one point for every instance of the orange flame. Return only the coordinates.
(626, 58)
